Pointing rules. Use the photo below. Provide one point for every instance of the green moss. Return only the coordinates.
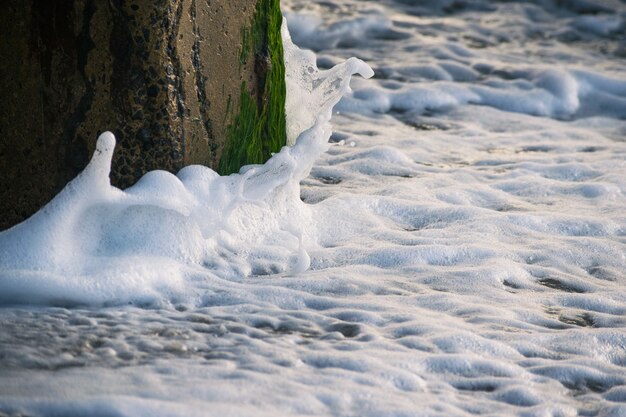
(245, 46)
(259, 128)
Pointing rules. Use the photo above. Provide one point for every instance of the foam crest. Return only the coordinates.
(554, 93)
(94, 243)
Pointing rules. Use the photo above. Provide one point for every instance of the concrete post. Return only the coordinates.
(179, 82)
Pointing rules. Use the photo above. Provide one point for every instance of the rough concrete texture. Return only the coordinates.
(164, 75)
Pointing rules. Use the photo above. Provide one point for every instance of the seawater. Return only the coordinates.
(455, 246)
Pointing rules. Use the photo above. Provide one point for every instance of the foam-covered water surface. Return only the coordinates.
(455, 246)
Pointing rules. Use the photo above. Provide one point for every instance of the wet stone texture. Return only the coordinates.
(163, 75)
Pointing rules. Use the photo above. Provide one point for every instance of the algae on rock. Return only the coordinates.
(259, 126)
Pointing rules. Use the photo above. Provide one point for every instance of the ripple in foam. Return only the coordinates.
(169, 237)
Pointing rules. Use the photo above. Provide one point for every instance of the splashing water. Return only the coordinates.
(466, 256)
(96, 244)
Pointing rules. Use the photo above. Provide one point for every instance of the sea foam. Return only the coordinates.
(96, 244)
(465, 259)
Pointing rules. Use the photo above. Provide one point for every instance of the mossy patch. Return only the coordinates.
(259, 128)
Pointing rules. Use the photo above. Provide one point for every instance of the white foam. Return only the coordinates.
(548, 93)
(96, 244)
(465, 256)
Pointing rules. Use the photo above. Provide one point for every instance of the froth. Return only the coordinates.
(96, 244)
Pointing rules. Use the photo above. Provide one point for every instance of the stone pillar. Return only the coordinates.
(178, 82)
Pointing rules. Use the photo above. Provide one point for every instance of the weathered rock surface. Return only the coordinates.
(168, 77)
